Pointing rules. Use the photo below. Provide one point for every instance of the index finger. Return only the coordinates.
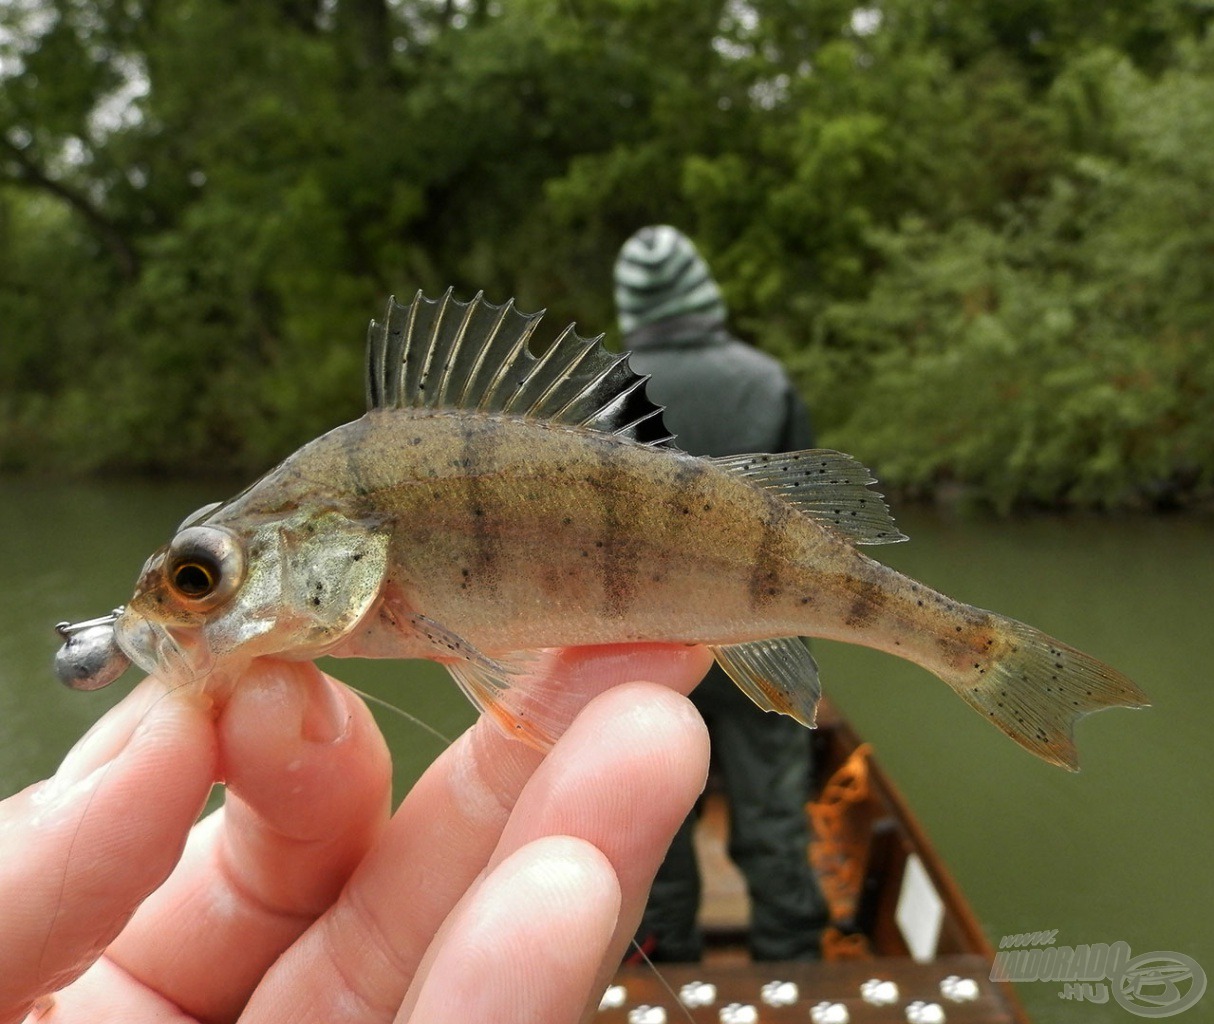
(367, 948)
(309, 787)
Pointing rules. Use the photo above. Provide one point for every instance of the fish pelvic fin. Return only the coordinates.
(506, 688)
(1038, 688)
(828, 486)
(489, 685)
(778, 675)
(446, 354)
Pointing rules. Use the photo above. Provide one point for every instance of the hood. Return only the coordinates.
(659, 274)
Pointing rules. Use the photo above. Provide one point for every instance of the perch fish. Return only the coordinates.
(492, 502)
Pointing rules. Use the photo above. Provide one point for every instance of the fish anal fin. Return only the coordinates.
(778, 675)
(1035, 689)
(443, 353)
(830, 487)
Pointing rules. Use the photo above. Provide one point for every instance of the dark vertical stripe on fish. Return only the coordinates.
(617, 557)
(867, 605)
(478, 458)
(764, 586)
(685, 500)
(354, 449)
(688, 473)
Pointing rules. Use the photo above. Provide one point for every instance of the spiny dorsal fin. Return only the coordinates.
(442, 353)
(828, 486)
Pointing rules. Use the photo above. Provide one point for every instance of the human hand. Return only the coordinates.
(505, 886)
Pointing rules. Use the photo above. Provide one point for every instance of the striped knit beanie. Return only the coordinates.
(659, 274)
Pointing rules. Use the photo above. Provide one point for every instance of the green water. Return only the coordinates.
(1122, 851)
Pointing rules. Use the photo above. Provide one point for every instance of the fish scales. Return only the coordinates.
(491, 503)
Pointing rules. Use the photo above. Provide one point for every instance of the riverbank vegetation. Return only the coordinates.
(980, 234)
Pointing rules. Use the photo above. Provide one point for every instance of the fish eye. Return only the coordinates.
(195, 579)
(204, 566)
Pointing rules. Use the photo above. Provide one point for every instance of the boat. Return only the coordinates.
(904, 944)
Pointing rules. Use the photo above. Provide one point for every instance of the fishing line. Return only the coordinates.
(407, 716)
(663, 982)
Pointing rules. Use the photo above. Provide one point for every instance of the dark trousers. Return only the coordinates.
(765, 761)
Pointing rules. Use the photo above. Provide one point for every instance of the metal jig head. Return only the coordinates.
(90, 657)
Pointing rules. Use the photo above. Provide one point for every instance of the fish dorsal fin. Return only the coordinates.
(443, 353)
(829, 486)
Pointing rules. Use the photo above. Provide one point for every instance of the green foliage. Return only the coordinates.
(975, 230)
(1066, 355)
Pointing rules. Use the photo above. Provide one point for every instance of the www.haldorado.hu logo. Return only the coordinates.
(1157, 984)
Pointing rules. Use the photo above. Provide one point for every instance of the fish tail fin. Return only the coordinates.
(1036, 688)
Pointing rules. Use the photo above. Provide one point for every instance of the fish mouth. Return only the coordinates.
(153, 647)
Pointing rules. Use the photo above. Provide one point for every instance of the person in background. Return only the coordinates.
(723, 397)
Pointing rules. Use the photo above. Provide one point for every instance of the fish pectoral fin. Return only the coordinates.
(828, 486)
(778, 675)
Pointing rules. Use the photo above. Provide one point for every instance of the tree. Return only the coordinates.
(204, 201)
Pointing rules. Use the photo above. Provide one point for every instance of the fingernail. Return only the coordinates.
(326, 717)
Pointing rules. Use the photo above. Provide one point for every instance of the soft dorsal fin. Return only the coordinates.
(442, 353)
(829, 486)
